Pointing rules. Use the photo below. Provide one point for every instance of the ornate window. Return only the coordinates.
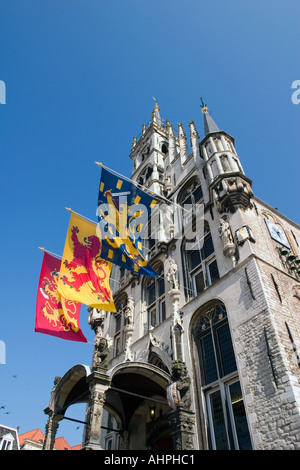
(154, 296)
(227, 423)
(188, 198)
(119, 324)
(145, 175)
(191, 193)
(200, 265)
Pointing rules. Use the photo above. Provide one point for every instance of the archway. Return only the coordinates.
(135, 388)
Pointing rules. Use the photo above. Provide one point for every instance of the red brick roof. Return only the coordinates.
(38, 436)
(34, 435)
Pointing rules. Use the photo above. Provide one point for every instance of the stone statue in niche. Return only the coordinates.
(172, 274)
(129, 311)
(229, 248)
(225, 232)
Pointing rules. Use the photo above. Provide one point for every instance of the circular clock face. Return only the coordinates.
(277, 233)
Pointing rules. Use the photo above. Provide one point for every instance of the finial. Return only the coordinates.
(204, 106)
(156, 105)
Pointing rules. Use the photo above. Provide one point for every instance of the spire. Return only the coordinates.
(172, 142)
(209, 123)
(194, 140)
(156, 119)
(183, 146)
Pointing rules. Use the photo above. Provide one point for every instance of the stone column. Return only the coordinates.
(182, 423)
(124, 444)
(51, 429)
(98, 384)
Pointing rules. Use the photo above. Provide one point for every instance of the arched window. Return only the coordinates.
(188, 198)
(226, 417)
(154, 297)
(191, 193)
(164, 148)
(118, 327)
(145, 175)
(199, 264)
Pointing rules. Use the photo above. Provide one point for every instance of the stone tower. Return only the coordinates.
(210, 345)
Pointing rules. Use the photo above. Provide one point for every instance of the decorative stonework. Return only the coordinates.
(129, 328)
(229, 248)
(182, 423)
(232, 193)
(183, 383)
(98, 384)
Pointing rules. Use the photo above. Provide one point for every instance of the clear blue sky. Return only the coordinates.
(80, 77)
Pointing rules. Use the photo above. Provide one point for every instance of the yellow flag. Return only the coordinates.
(84, 275)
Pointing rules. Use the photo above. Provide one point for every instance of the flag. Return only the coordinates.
(123, 214)
(84, 275)
(55, 315)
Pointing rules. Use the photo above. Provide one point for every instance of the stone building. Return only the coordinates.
(203, 356)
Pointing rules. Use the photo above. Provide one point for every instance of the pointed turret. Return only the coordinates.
(172, 143)
(194, 140)
(209, 124)
(229, 186)
(156, 118)
(183, 146)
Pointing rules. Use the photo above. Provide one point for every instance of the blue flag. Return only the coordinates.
(123, 214)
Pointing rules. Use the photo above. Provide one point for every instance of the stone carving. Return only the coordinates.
(183, 383)
(166, 222)
(129, 310)
(182, 423)
(225, 232)
(296, 292)
(96, 320)
(232, 193)
(129, 327)
(229, 247)
(100, 358)
(172, 274)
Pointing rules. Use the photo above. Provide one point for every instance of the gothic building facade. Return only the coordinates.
(203, 356)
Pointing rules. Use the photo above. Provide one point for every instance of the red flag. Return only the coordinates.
(55, 315)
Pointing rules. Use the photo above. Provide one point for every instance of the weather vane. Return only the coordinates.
(203, 106)
(202, 102)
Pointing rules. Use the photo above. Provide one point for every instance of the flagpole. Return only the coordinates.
(50, 252)
(83, 217)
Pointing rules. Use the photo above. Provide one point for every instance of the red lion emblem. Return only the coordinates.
(87, 255)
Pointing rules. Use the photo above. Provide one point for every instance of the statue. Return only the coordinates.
(171, 274)
(225, 232)
(229, 248)
(129, 311)
(100, 357)
(183, 382)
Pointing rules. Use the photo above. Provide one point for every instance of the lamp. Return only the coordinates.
(291, 257)
(152, 412)
(284, 251)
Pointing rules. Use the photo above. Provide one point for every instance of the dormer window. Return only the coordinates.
(7, 442)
